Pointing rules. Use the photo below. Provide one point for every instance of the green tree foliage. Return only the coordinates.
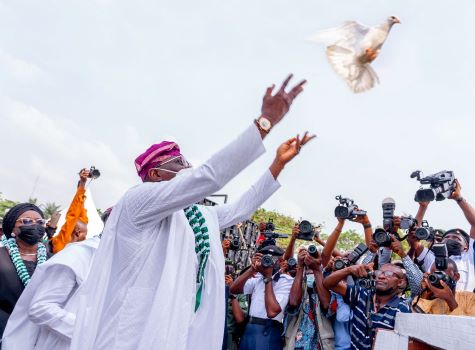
(348, 240)
(5, 204)
(49, 209)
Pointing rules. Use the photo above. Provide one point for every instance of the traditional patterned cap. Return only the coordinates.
(155, 155)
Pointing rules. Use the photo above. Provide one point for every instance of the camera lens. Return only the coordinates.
(339, 264)
(267, 261)
(305, 227)
(292, 262)
(313, 251)
(425, 195)
(382, 238)
(341, 212)
(422, 234)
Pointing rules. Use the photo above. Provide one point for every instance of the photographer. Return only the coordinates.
(307, 327)
(444, 299)
(74, 228)
(236, 313)
(459, 244)
(269, 290)
(375, 307)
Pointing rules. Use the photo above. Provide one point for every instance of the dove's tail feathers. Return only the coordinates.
(359, 77)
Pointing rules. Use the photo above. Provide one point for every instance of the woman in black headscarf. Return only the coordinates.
(22, 251)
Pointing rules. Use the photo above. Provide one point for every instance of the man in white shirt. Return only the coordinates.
(157, 277)
(460, 245)
(269, 290)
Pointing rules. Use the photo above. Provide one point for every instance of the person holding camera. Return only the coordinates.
(74, 228)
(460, 245)
(307, 328)
(269, 290)
(374, 299)
(441, 298)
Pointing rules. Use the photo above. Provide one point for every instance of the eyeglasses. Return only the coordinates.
(30, 221)
(378, 273)
(181, 160)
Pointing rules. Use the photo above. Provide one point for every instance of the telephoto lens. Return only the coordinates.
(267, 261)
(339, 264)
(312, 251)
(382, 238)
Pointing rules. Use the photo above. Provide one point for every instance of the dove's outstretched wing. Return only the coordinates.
(348, 35)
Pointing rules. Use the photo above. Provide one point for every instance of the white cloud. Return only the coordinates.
(20, 69)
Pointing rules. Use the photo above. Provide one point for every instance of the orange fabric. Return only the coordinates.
(75, 212)
(465, 301)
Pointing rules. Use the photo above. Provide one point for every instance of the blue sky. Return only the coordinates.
(95, 82)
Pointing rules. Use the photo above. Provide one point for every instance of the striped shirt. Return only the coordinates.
(361, 332)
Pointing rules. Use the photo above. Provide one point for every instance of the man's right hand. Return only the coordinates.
(360, 270)
(301, 257)
(274, 108)
(295, 232)
(457, 193)
(83, 175)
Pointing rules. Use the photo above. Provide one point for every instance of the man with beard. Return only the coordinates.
(373, 308)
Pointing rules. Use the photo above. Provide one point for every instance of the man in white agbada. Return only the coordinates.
(157, 279)
(44, 316)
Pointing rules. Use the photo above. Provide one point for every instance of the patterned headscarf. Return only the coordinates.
(155, 155)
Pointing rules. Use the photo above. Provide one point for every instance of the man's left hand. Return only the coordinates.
(289, 149)
(445, 293)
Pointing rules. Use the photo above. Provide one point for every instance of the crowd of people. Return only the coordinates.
(155, 277)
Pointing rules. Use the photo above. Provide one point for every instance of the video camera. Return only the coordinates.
(407, 222)
(352, 258)
(307, 231)
(347, 209)
(94, 173)
(441, 264)
(441, 186)
(382, 236)
(425, 232)
(270, 235)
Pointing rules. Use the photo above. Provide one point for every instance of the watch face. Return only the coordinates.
(265, 123)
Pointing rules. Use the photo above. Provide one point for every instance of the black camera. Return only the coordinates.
(441, 186)
(94, 173)
(352, 258)
(270, 235)
(425, 232)
(235, 244)
(347, 209)
(407, 222)
(368, 282)
(389, 205)
(291, 264)
(312, 251)
(441, 263)
(306, 231)
(382, 238)
(267, 261)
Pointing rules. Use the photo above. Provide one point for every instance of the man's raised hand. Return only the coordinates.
(274, 107)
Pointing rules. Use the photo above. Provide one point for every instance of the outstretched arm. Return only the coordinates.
(331, 242)
(231, 214)
(467, 209)
(151, 202)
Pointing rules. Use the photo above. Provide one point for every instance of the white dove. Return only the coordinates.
(352, 47)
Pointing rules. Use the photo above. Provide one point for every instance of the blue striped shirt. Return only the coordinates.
(361, 334)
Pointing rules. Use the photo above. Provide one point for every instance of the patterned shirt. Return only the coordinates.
(362, 328)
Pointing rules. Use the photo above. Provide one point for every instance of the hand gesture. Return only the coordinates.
(228, 280)
(396, 247)
(373, 247)
(360, 271)
(312, 263)
(256, 262)
(457, 193)
(290, 148)
(301, 257)
(396, 223)
(445, 293)
(275, 107)
(83, 175)
(295, 232)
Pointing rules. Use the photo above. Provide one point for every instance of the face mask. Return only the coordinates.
(31, 234)
(453, 247)
(184, 171)
(310, 280)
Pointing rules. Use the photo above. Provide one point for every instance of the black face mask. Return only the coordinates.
(31, 234)
(453, 247)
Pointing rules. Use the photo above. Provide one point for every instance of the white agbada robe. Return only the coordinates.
(44, 315)
(141, 290)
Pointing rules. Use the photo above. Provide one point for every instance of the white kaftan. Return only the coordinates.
(140, 293)
(44, 315)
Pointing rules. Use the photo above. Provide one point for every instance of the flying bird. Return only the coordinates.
(352, 47)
